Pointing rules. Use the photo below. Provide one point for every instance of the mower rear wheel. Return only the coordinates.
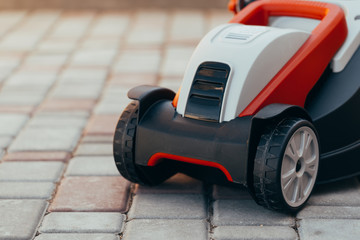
(124, 151)
(286, 165)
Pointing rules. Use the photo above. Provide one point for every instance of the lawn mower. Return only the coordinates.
(269, 101)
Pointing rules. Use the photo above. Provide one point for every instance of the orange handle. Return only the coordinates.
(259, 12)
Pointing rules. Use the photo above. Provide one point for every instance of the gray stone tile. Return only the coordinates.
(247, 213)
(161, 229)
(69, 236)
(31, 171)
(169, 206)
(10, 124)
(26, 190)
(342, 193)
(92, 166)
(179, 183)
(23, 99)
(83, 76)
(225, 192)
(98, 139)
(58, 120)
(20, 218)
(95, 149)
(77, 222)
(47, 139)
(5, 141)
(329, 229)
(254, 233)
(77, 91)
(329, 212)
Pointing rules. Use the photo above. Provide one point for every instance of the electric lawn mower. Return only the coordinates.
(269, 100)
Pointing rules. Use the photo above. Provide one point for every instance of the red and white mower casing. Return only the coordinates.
(264, 99)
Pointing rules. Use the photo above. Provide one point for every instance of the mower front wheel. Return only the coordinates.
(286, 165)
(124, 151)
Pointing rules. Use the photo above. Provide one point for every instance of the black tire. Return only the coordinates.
(124, 152)
(276, 172)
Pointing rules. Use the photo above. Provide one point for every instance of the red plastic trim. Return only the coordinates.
(294, 81)
(158, 157)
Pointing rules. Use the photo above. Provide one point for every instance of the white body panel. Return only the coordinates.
(255, 55)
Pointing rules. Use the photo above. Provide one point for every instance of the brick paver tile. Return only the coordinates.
(98, 139)
(68, 105)
(163, 229)
(168, 206)
(26, 190)
(47, 139)
(82, 223)
(5, 141)
(247, 213)
(61, 119)
(83, 76)
(91, 194)
(102, 125)
(94, 149)
(329, 212)
(254, 233)
(329, 229)
(11, 124)
(132, 80)
(81, 236)
(179, 183)
(175, 60)
(31, 171)
(92, 166)
(341, 193)
(180, 30)
(20, 218)
(38, 156)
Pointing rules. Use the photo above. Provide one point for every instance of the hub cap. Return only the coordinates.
(299, 166)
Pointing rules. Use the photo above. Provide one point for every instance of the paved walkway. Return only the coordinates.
(63, 83)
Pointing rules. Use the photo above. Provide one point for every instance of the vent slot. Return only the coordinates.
(207, 91)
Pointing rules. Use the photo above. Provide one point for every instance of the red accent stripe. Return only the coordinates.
(156, 159)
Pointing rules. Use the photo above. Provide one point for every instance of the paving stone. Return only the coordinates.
(16, 109)
(110, 25)
(235, 192)
(20, 218)
(82, 223)
(180, 30)
(155, 229)
(92, 166)
(342, 193)
(10, 98)
(247, 213)
(94, 149)
(132, 80)
(58, 120)
(329, 229)
(175, 60)
(91, 194)
(168, 206)
(98, 139)
(93, 57)
(56, 46)
(83, 76)
(26, 190)
(77, 91)
(50, 139)
(218, 17)
(254, 233)
(179, 183)
(5, 141)
(69, 236)
(329, 212)
(31, 171)
(148, 28)
(38, 156)
(68, 105)
(11, 124)
(102, 125)
(138, 61)
(46, 59)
